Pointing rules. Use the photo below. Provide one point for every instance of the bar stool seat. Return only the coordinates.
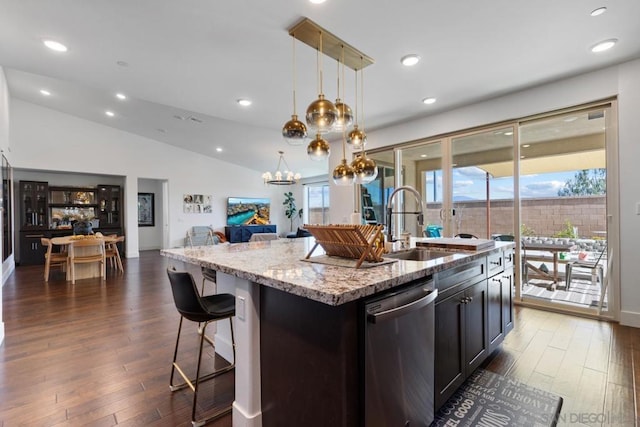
(202, 310)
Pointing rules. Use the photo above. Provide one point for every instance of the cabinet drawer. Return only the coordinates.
(509, 258)
(495, 263)
(466, 274)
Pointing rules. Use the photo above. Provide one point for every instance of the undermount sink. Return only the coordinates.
(417, 254)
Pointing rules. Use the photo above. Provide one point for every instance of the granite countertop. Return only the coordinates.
(279, 264)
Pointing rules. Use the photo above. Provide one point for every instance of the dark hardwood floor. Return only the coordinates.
(99, 354)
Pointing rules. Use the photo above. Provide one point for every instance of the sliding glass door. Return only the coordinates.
(540, 181)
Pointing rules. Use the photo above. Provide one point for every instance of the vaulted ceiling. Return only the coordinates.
(184, 64)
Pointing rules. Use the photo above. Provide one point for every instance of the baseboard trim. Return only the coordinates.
(630, 318)
(242, 419)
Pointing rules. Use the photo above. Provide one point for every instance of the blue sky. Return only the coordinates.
(470, 183)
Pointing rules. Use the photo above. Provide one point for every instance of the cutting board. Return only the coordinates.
(457, 244)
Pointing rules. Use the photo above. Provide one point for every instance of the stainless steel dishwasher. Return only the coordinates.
(398, 344)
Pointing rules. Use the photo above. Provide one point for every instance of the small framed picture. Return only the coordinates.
(146, 211)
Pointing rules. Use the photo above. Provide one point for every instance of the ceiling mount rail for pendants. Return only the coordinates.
(307, 31)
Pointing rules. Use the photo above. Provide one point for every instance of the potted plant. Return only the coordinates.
(291, 211)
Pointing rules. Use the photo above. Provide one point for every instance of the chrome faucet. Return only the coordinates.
(390, 211)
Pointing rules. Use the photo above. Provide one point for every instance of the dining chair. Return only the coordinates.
(112, 254)
(594, 267)
(87, 251)
(51, 258)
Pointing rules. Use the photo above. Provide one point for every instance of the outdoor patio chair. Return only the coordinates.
(595, 267)
(466, 236)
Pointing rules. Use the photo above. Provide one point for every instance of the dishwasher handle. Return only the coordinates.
(403, 309)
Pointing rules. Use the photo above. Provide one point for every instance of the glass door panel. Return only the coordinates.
(374, 195)
(482, 185)
(422, 169)
(563, 191)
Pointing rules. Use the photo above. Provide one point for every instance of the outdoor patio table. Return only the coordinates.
(554, 248)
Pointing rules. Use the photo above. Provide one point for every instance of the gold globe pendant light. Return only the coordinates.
(294, 131)
(344, 174)
(356, 138)
(364, 167)
(318, 149)
(321, 113)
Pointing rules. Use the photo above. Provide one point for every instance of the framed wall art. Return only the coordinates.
(196, 203)
(146, 211)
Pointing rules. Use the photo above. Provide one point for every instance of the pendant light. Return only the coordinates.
(345, 115)
(294, 131)
(357, 138)
(364, 167)
(321, 113)
(318, 149)
(343, 174)
(281, 177)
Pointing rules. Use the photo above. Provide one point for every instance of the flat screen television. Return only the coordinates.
(247, 210)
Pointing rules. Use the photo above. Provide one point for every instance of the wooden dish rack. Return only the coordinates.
(361, 242)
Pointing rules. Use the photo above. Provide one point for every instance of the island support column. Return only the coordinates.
(247, 406)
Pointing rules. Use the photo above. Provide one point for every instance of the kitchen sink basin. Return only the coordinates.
(417, 254)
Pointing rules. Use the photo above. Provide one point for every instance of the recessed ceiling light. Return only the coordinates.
(526, 145)
(121, 96)
(570, 119)
(219, 150)
(508, 133)
(45, 92)
(522, 157)
(109, 113)
(410, 60)
(317, 1)
(122, 63)
(604, 45)
(429, 101)
(423, 155)
(244, 102)
(598, 11)
(54, 45)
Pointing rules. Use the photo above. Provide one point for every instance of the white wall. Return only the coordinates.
(6, 267)
(623, 81)
(67, 143)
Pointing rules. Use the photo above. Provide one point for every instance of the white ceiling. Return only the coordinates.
(195, 58)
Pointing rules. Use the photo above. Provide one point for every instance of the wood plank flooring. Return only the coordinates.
(99, 354)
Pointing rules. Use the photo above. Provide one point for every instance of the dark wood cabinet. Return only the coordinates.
(242, 233)
(461, 341)
(109, 206)
(33, 205)
(50, 211)
(500, 303)
(474, 312)
(31, 250)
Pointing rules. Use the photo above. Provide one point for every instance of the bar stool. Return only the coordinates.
(202, 310)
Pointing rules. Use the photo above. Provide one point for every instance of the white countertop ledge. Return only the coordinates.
(278, 264)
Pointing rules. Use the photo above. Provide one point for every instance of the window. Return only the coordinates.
(317, 203)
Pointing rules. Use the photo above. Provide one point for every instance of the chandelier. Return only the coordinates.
(281, 177)
(323, 116)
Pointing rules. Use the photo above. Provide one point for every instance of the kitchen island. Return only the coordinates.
(296, 325)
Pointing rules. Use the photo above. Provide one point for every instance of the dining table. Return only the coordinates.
(554, 248)
(82, 271)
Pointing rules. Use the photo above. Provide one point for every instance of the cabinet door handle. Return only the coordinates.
(495, 279)
(495, 262)
(470, 299)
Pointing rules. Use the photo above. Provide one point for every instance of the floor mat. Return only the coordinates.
(488, 399)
